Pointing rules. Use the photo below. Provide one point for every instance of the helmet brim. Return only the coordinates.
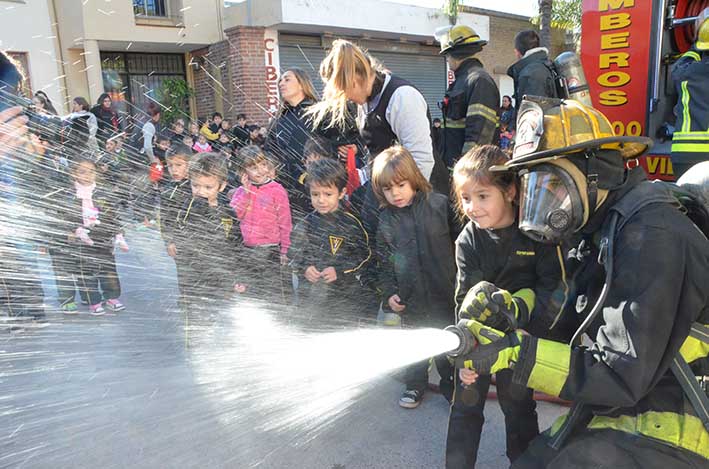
(629, 147)
(479, 42)
(701, 45)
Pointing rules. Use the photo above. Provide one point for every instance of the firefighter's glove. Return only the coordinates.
(496, 307)
(495, 351)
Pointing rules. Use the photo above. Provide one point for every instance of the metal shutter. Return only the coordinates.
(427, 71)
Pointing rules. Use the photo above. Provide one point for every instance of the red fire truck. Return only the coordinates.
(627, 50)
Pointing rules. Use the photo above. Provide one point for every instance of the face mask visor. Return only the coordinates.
(550, 206)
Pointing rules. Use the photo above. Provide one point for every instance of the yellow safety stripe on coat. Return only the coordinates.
(686, 119)
(690, 147)
(481, 110)
(560, 257)
(556, 426)
(682, 431)
(695, 135)
(551, 367)
(693, 55)
(693, 349)
(454, 124)
(528, 296)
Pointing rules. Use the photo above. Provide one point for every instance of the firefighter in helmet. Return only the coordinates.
(470, 105)
(640, 285)
(690, 74)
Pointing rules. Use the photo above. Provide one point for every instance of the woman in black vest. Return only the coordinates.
(390, 111)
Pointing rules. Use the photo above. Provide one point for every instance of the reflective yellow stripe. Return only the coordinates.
(690, 147)
(683, 431)
(551, 367)
(698, 135)
(454, 124)
(693, 349)
(693, 55)
(478, 109)
(686, 119)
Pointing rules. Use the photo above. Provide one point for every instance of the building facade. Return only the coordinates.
(230, 54)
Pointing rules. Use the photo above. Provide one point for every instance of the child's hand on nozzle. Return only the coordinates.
(312, 274)
(329, 274)
(121, 243)
(239, 288)
(83, 235)
(395, 304)
(172, 250)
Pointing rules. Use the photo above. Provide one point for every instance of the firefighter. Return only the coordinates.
(471, 101)
(640, 287)
(690, 74)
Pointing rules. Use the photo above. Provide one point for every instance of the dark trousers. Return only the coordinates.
(21, 291)
(98, 277)
(263, 275)
(466, 419)
(65, 264)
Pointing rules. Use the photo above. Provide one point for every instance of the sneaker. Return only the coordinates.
(411, 399)
(96, 310)
(70, 308)
(115, 305)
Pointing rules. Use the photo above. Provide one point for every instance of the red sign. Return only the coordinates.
(615, 53)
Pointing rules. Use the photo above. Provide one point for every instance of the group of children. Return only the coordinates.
(246, 240)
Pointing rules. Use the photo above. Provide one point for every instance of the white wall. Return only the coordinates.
(380, 18)
(26, 27)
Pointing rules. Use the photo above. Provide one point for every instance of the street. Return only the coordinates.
(134, 389)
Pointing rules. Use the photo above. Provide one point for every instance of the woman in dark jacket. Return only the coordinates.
(107, 118)
(290, 129)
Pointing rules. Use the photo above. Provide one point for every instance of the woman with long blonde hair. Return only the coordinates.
(390, 111)
(291, 129)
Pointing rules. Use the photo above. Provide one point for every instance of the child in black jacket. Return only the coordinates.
(415, 249)
(330, 246)
(174, 192)
(491, 248)
(207, 241)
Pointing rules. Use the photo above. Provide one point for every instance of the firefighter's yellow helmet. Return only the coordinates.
(549, 128)
(452, 37)
(701, 25)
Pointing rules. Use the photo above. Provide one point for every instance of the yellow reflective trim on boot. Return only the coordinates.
(693, 349)
(551, 367)
(454, 124)
(682, 431)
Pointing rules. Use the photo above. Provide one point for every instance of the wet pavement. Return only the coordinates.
(138, 389)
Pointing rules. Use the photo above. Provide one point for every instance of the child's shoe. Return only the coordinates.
(115, 305)
(411, 398)
(70, 308)
(97, 310)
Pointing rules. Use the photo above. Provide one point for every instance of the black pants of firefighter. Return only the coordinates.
(466, 419)
(98, 277)
(589, 449)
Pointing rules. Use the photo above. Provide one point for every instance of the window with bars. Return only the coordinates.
(150, 8)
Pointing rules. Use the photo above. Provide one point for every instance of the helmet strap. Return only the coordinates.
(591, 181)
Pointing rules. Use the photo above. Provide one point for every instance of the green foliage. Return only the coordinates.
(174, 95)
(565, 14)
(450, 8)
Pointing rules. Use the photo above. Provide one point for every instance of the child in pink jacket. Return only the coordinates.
(262, 207)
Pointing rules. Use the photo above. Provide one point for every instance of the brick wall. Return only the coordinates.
(231, 78)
